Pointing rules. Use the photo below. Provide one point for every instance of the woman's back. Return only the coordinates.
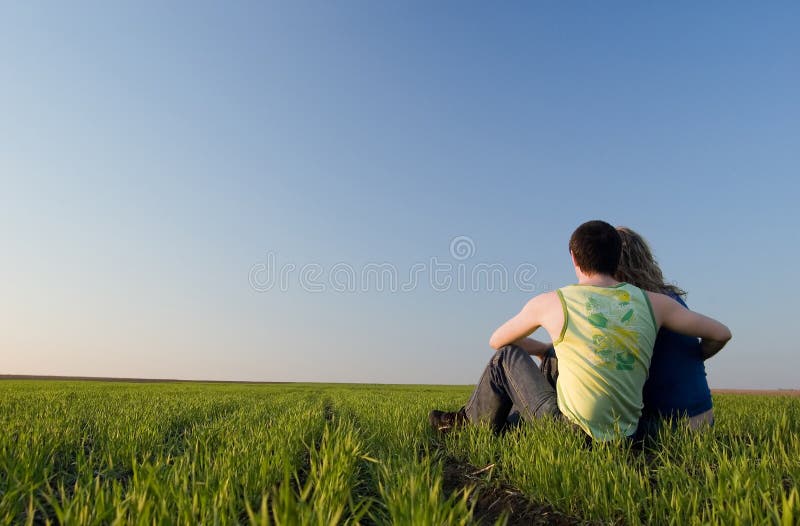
(676, 385)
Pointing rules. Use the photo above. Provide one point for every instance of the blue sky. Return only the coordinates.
(151, 156)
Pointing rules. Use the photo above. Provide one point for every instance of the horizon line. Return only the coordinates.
(111, 379)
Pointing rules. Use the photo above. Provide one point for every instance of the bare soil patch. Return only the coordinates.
(493, 500)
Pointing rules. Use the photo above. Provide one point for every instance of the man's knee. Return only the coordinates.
(510, 357)
(511, 351)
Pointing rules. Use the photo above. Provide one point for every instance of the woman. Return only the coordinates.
(676, 386)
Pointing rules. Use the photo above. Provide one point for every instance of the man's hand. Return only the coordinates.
(533, 347)
(674, 316)
(709, 348)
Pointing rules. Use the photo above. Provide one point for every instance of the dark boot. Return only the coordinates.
(444, 422)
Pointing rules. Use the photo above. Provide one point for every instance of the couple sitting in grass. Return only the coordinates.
(618, 324)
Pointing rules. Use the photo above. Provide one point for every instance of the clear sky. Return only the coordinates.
(159, 159)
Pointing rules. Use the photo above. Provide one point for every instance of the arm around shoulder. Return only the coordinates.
(674, 316)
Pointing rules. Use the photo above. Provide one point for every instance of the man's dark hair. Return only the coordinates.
(596, 247)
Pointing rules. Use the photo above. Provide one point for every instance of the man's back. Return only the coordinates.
(604, 353)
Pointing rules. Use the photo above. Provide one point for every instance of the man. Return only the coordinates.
(603, 332)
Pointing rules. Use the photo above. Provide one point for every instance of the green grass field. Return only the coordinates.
(193, 453)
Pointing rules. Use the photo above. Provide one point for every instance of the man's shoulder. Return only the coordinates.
(658, 298)
(545, 310)
(545, 297)
(545, 301)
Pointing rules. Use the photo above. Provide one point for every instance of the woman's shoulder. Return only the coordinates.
(676, 297)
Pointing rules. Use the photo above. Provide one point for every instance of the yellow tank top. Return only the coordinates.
(603, 355)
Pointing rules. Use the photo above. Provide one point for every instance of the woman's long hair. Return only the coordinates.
(638, 267)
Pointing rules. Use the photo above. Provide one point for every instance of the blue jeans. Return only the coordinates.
(513, 387)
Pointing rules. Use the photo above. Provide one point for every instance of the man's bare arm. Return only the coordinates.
(519, 327)
(674, 316)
